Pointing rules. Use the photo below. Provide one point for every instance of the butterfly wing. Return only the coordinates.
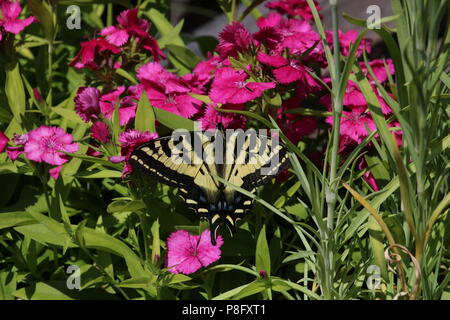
(161, 160)
(256, 162)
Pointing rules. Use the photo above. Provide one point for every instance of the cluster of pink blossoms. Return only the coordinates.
(50, 145)
(9, 18)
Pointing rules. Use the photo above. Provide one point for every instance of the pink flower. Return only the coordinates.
(14, 152)
(229, 120)
(117, 159)
(269, 37)
(46, 144)
(154, 75)
(293, 8)
(100, 132)
(9, 13)
(131, 26)
(188, 253)
(353, 126)
(347, 39)
(133, 138)
(293, 126)
(288, 70)
(129, 140)
(234, 38)
(20, 140)
(3, 141)
(207, 68)
(54, 172)
(179, 103)
(94, 54)
(379, 68)
(231, 86)
(87, 103)
(127, 106)
(353, 97)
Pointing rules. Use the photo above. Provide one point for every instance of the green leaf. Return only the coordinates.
(125, 206)
(43, 13)
(15, 91)
(262, 252)
(52, 232)
(250, 289)
(14, 219)
(156, 244)
(125, 74)
(173, 34)
(99, 174)
(173, 121)
(67, 114)
(145, 116)
(7, 284)
(44, 291)
(163, 25)
(184, 56)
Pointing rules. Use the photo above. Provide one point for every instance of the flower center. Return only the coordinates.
(171, 100)
(294, 64)
(194, 252)
(240, 84)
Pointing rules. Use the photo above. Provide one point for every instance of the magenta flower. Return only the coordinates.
(379, 67)
(154, 75)
(211, 117)
(9, 14)
(54, 172)
(3, 141)
(179, 103)
(14, 152)
(288, 70)
(293, 126)
(206, 69)
(234, 38)
(188, 253)
(353, 126)
(127, 105)
(47, 144)
(231, 86)
(131, 26)
(100, 132)
(128, 141)
(94, 54)
(347, 39)
(133, 138)
(293, 8)
(87, 103)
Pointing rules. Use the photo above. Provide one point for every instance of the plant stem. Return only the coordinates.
(331, 186)
(331, 192)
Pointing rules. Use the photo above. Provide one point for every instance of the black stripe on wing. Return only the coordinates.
(150, 157)
(257, 178)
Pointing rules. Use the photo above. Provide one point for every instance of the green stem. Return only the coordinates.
(331, 187)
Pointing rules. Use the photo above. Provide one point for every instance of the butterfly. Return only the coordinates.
(192, 160)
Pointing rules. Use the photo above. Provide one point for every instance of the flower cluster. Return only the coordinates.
(9, 18)
(118, 45)
(45, 144)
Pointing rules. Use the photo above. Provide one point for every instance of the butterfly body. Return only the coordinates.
(193, 162)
